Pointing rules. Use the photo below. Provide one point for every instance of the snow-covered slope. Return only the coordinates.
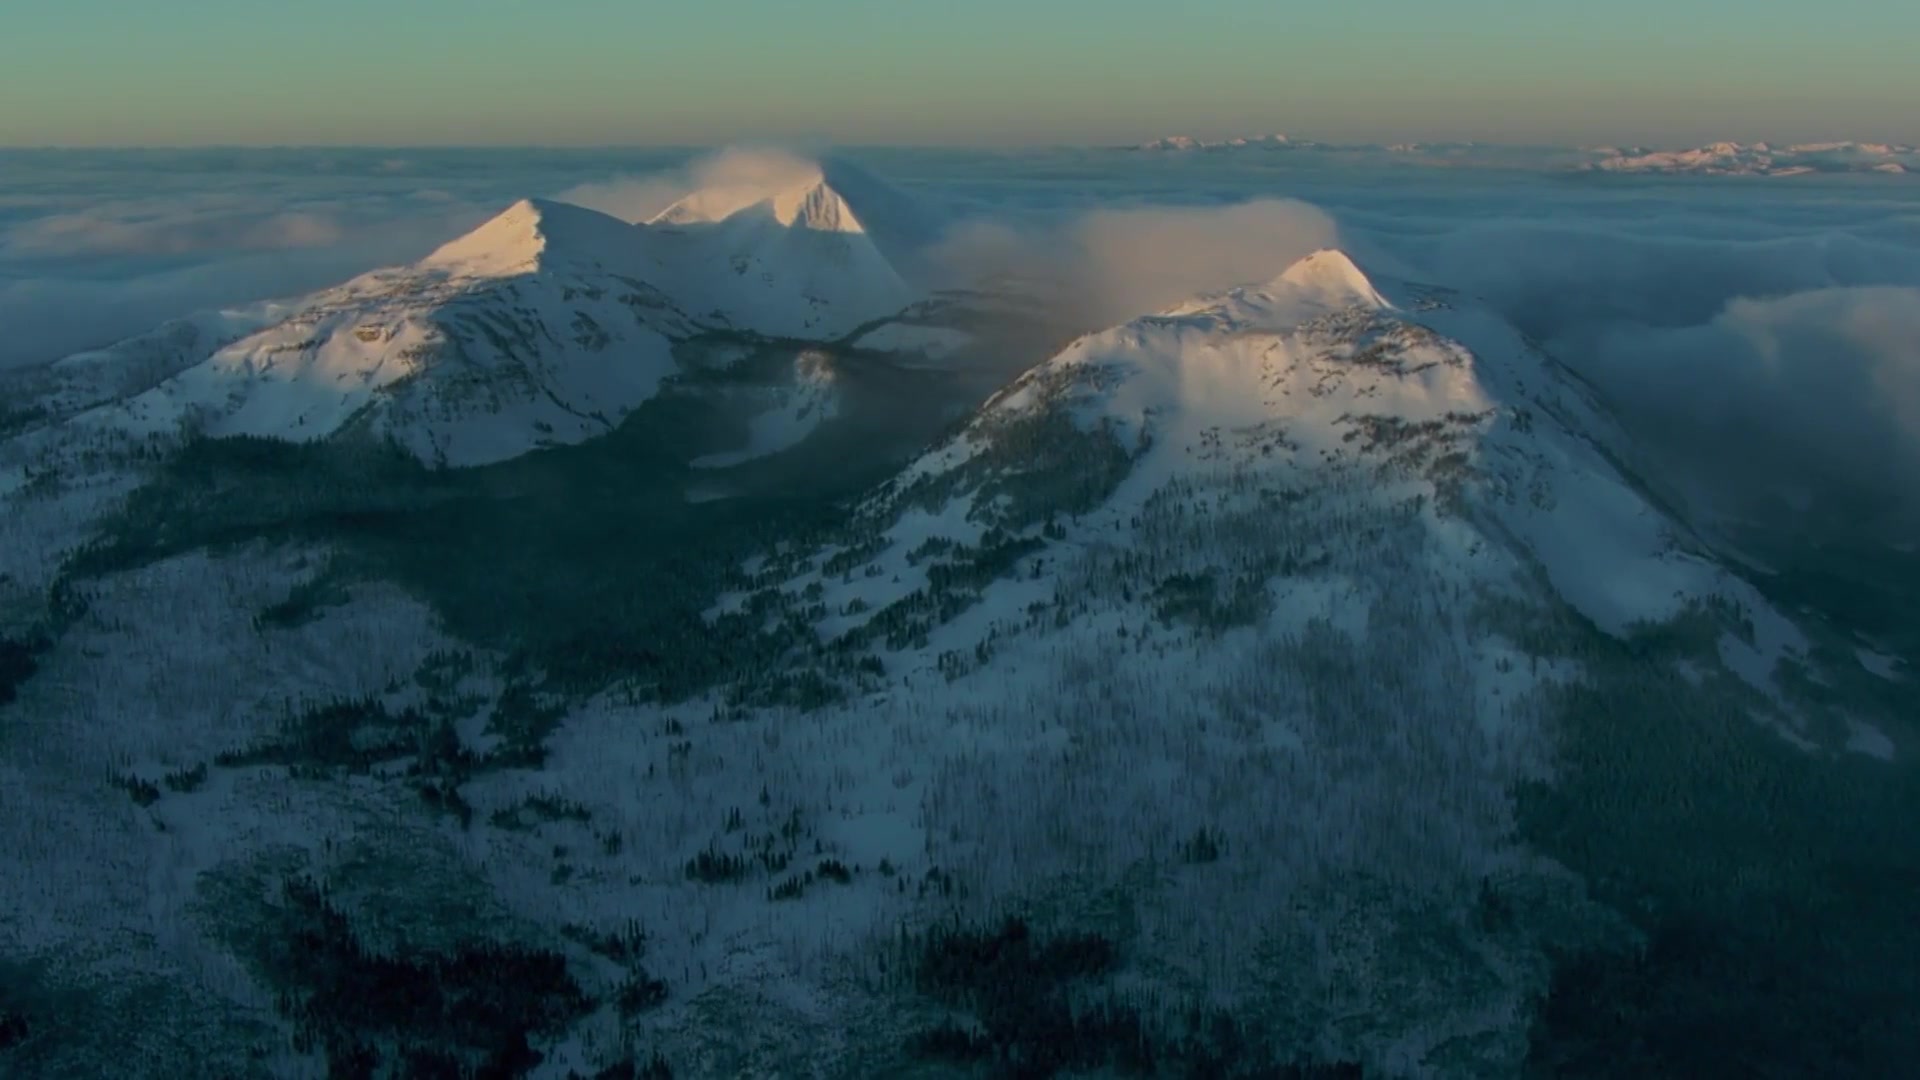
(1323, 396)
(537, 327)
(1312, 561)
(85, 380)
(540, 234)
(547, 324)
(787, 256)
(1762, 159)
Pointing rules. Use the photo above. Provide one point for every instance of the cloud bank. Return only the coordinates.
(1804, 406)
(66, 235)
(99, 246)
(51, 306)
(1773, 380)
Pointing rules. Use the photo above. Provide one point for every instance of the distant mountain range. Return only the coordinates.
(1761, 159)
(1716, 159)
(1188, 144)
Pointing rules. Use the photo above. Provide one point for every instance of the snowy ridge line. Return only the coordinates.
(1762, 159)
(546, 325)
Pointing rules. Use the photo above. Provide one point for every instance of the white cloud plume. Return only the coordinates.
(1110, 265)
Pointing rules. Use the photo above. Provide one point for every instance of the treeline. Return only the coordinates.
(1039, 1005)
(18, 661)
(471, 1010)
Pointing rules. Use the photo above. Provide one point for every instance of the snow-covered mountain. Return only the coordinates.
(546, 325)
(1325, 386)
(538, 327)
(789, 257)
(1206, 695)
(1315, 562)
(1761, 159)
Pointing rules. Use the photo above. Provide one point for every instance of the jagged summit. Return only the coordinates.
(534, 232)
(827, 195)
(783, 251)
(803, 201)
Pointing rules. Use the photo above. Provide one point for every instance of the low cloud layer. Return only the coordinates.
(77, 283)
(95, 234)
(1803, 404)
(1557, 280)
(1773, 380)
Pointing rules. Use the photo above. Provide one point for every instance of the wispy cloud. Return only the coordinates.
(1108, 265)
(97, 234)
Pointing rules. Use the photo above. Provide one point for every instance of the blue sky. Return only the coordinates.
(698, 72)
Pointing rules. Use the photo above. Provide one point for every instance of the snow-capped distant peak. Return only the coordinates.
(531, 232)
(819, 207)
(788, 243)
(1761, 159)
(803, 201)
(1187, 143)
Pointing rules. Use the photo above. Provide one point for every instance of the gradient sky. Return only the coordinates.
(697, 72)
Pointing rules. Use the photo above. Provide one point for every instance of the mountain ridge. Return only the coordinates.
(792, 244)
(531, 230)
(1325, 371)
(1761, 159)
(545, 324)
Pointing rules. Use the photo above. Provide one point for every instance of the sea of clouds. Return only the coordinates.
(1760, 337)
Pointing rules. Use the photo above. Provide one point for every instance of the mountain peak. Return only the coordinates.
(800, 198)
(785, 233)
(530, 233)
(819, 207)
(1332, 275)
